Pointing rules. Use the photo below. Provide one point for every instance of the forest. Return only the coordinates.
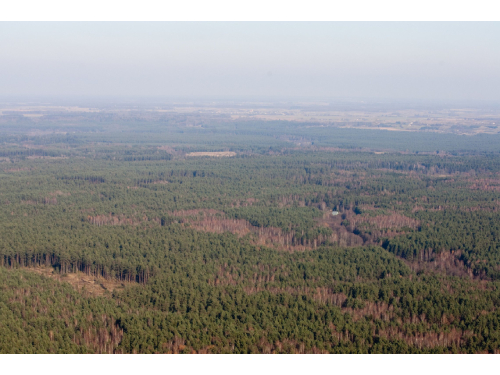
(298, 239)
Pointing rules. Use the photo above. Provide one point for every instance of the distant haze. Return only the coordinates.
(421, 61)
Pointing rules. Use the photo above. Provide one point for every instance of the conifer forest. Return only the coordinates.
(160, 232)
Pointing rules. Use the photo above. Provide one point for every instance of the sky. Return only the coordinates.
(268, 60)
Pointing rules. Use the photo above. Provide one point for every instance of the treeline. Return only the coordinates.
(136, 254)
(474, 236)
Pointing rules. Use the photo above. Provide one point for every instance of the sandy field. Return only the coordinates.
(216, 154)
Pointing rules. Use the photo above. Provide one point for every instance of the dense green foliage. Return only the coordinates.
(242, 254)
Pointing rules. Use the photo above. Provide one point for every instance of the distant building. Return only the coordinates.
(335, 213)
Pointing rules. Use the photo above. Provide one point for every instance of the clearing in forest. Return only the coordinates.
(96, 286)
(216, 154)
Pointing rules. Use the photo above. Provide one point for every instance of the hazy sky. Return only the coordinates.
(449, 61)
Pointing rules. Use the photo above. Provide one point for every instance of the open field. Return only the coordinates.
(213, 154)
(93, 285)
(467, 121)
